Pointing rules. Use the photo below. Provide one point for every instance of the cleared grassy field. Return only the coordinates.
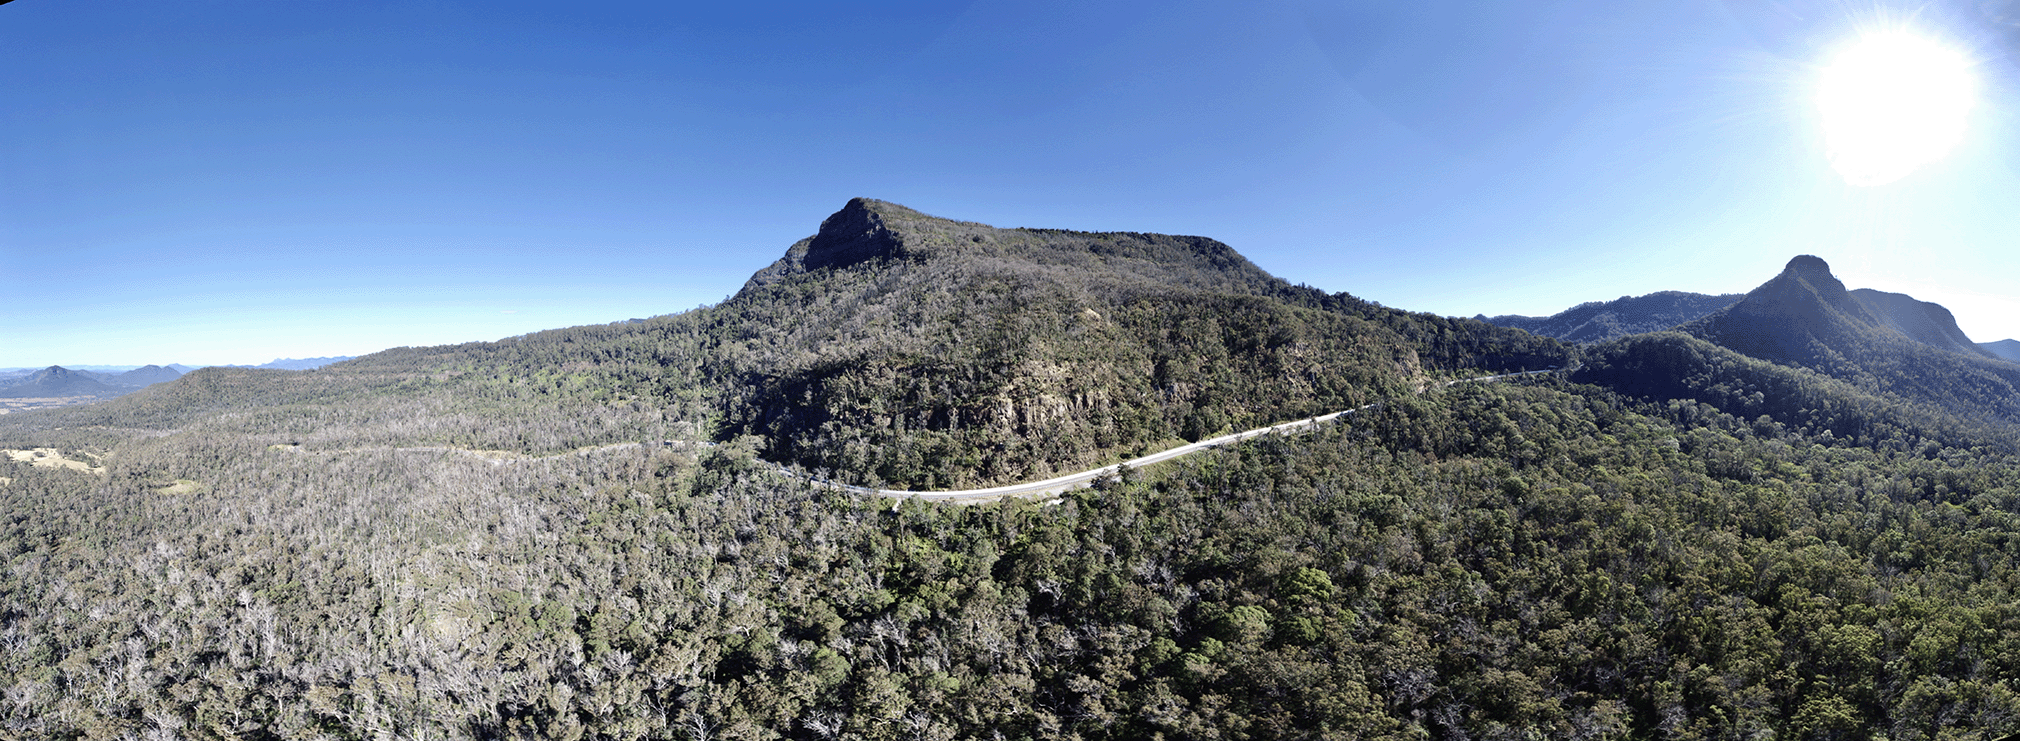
(52, 458)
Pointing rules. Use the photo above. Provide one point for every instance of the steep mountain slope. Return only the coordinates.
(901, 349)
(1598, 321)
(1672, 367)
(938, 354)
(1921, 321)
(1880, 342)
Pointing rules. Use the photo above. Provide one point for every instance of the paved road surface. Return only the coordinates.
(1085, 478)
(1033, 489)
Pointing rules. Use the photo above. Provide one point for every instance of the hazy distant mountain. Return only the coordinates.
(2008, 349)
(1921, 321)
(298, 363)
(1882, 341)
(1597, 321)
(55, 381)
(146, 376)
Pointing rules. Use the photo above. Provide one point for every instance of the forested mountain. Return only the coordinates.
(1598, 321)
(146, 376)
(1921, 321)
(531, 538)
(1882, 342)
(941, 354)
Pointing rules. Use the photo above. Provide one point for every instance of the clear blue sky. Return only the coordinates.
(229, 181)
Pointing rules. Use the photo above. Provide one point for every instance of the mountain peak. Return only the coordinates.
(857, 233)
(1810, 271)
(1888, 341)
(1809, 265)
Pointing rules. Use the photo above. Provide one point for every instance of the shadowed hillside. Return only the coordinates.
(1880, 342)
(1598, 321)
(1921, 321)
(941, 354)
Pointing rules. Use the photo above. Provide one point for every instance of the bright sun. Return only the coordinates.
(1892, 102)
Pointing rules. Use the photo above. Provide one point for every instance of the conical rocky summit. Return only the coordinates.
(1885, 342)
(1799, 316)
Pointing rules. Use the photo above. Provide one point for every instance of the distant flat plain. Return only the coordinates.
(23, 405)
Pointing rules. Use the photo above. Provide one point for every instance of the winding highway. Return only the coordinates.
(1072, 481)
(1048, 487)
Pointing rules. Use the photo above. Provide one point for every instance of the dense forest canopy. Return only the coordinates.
(587, 533)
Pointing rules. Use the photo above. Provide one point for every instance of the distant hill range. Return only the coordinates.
(57, 382)
(1599, 321)
(297, 363)
(2008, 349)
(1885, 343)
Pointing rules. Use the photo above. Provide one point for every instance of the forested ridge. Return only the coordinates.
(1598, 321)
(1676, 541)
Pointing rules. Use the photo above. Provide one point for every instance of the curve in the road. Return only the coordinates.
(1072, 481)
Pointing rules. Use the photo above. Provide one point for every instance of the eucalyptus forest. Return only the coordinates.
(613, 531)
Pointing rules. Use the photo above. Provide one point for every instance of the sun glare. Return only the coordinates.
(1893, 102)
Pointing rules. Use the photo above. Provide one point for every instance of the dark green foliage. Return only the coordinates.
(1674, 366)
